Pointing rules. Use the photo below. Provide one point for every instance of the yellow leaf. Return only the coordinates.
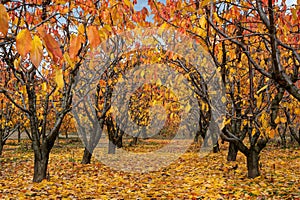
(203, 22)
(158, 81)
(204, 107)
(68, 59)
(44, 86)
(265, 122)
(81, 29)
(102, 34)
(109, 82)
(162, 27)
(227, 121)
(127, 3)
(23, 42)
(188, 108)
(223, 99)
(17, 62)
(259, 100)
(36, 51)
(199, 31)
(205, 2)
(283, 120)
(277, 120)
(23, 89)
(107, 27)
(3, 20)
(294, 13)
(59, 79)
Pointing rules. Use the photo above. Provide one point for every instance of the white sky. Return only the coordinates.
(291, 2)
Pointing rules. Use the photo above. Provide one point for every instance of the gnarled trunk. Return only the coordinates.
(41, 159)
(253, 163)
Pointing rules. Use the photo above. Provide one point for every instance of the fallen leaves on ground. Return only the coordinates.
(189, 177)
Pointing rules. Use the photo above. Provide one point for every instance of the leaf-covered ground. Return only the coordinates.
(190, 177)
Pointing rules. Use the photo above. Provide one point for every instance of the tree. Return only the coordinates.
(117, 17)
(43, 44)
(44, 60)
(244, 41)
(252, 30)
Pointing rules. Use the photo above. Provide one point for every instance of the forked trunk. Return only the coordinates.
(40, 165)
(253, 164)
(232, 152)
(87, 156)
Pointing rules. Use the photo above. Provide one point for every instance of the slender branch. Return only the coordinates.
(13, 101)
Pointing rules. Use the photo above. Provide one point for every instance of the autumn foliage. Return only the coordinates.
(45, 45)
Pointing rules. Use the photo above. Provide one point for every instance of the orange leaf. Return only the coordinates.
(36, 52)
(51, 44)
(75, 44)
(3, 20)
(53, 47)
(42, 31)
(23, 42)
(272, 133)
(93, 36)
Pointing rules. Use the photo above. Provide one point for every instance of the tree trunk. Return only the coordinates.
(216, 148)
(87, 156)
(253, 163)
(232, 152)
(40, 164)
(111, 147)
(196, 138)
(120, 141)
(2, 142)
(19, 136)
(1, 148)
(133, 141)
